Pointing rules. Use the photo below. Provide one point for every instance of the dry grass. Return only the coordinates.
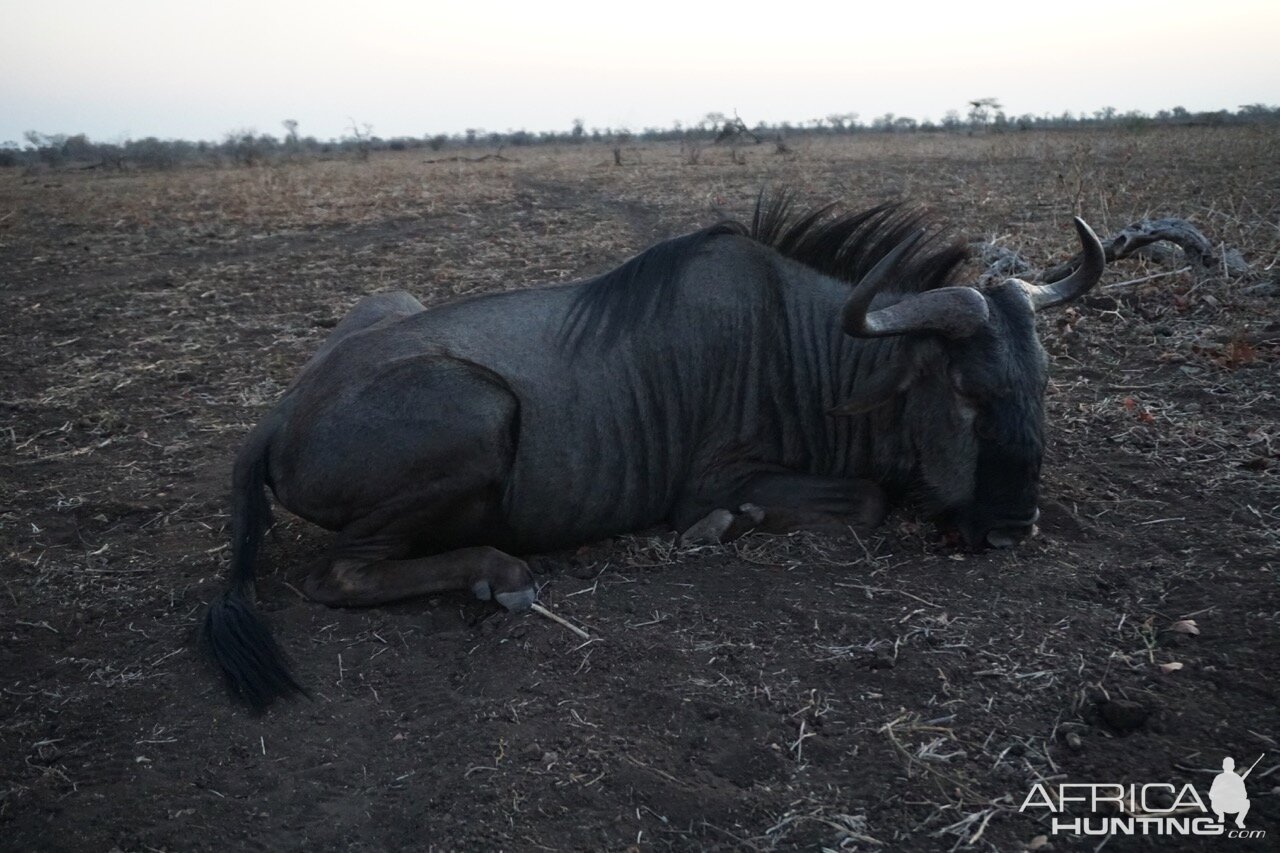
(876, 693)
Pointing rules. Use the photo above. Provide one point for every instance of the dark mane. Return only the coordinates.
(846, 245)
(843, 245)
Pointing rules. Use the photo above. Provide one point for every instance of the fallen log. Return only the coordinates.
(1196, 248)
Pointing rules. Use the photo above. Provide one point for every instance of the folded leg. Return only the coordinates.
(352, 580)
(780, 502)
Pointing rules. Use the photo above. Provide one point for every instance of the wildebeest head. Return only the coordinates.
(972, 388)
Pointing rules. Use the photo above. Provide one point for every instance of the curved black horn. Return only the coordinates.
(1092, 262)
(956, 312)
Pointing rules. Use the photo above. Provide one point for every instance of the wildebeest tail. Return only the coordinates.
(234, 632)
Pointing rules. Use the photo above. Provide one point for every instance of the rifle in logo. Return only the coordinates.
(1227, 793)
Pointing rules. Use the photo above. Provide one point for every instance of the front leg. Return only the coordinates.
(795, 501)
(780, 502)
(722, 525)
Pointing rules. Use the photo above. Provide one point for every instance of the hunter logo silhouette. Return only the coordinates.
(1146, 808)
(1227, 793)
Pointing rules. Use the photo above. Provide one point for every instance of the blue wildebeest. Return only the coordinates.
(729, 378)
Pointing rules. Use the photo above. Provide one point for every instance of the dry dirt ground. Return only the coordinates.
(778, 693)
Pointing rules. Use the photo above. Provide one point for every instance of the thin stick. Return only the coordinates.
(1144, 278)
(538, 608)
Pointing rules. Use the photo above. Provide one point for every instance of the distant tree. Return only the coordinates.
(1256, 111)
(78, 148)
(951, 121)
(735, 132)
(48, 146)
(980, 111)
(291, 132)
(579, 130)
(842, 122)
(360, 138)
(711, 122)
(1135, 119)
(245, 148)
(151, 153)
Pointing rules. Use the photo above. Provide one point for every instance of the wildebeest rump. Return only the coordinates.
(729, 378)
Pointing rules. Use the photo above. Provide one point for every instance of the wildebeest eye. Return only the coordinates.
(962, 387)
(978, 392)
(969, 393)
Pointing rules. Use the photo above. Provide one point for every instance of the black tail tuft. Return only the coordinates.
(234, 634)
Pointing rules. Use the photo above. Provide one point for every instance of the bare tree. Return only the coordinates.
(735, 130)
(362, 136)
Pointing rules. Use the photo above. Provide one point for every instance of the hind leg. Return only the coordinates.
(407, 458)
(368, 312)
(355, 580)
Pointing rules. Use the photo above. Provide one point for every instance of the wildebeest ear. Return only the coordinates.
(873, 393)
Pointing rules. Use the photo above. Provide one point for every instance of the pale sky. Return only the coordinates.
(196, 70)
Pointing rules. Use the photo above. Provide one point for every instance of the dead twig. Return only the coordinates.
(1131, 281)
(539, 609)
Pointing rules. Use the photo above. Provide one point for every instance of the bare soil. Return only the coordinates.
(800, 692)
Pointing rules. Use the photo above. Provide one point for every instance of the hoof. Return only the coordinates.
(710, 530)
(751, 514)
(517, 601)
(723, 525)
